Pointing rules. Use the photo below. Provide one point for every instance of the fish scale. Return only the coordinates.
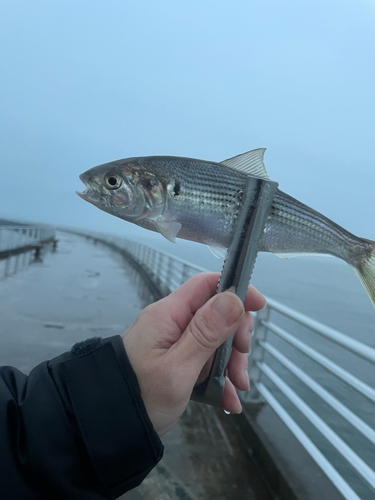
(208, 200)
(198, 200)
(310, 232)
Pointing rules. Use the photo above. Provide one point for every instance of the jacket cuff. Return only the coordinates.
(105, 399)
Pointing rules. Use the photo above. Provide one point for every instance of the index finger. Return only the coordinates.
(200, 288)
(254, 300)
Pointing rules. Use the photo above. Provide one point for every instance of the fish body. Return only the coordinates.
(203, 197)
(198, 200)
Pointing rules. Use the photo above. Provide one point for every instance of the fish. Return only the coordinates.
(198, 200)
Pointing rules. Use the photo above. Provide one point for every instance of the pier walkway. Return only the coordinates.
(77, 292)
(82, 290)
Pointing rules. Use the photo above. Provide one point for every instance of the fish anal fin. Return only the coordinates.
(250, 163)
(291, 255)
(168, 228)
(218, 251)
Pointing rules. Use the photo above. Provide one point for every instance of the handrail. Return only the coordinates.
(309, 446)
(13, 238)
(346, 452)
(365, 351)
(329, 365)
(169, 272)
(347, 414)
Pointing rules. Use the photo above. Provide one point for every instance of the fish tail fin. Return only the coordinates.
(366, 271)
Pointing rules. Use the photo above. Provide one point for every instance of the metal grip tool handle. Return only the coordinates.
(238, 266)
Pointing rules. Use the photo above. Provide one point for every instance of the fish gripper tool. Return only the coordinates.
(238, 266)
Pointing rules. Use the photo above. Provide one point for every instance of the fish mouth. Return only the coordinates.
(85, 195)
(90, 194)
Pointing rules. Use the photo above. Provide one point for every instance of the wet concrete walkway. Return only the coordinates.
(204, 459)
(83, 290)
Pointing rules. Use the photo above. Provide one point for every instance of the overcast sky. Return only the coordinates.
(87, 82)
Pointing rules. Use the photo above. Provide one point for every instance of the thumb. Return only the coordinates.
(211, 325)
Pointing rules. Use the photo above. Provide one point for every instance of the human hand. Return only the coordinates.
(172, 340)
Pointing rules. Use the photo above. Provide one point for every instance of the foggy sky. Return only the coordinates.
(84, 83)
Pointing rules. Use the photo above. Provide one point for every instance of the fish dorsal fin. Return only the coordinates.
(250, 163)
(168, 228)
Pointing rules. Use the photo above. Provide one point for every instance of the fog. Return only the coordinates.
(83, 83)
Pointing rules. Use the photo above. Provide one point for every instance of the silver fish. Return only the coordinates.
(198, 200)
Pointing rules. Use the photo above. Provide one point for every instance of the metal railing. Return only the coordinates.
(16, 237)
(260, 371)
(166, 271)
(291, 393)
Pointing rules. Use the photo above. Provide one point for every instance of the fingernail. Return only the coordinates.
(257, 292)
(227, 307)
(235, 412)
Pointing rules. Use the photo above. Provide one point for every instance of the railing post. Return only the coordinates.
(185, 273)
(169, 271)
(159, 268)
(133, 250)
(7, 266)
(256, 355)
(137, 252)
(147, 257)
(152, 260)
(142, 254)
(10, 239)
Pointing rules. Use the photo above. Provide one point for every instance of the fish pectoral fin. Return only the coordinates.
(168, 228)
(250, 163)
(217, 251)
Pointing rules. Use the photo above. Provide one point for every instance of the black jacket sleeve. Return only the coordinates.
(76, 427)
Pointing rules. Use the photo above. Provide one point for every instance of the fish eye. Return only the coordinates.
(112, 181)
